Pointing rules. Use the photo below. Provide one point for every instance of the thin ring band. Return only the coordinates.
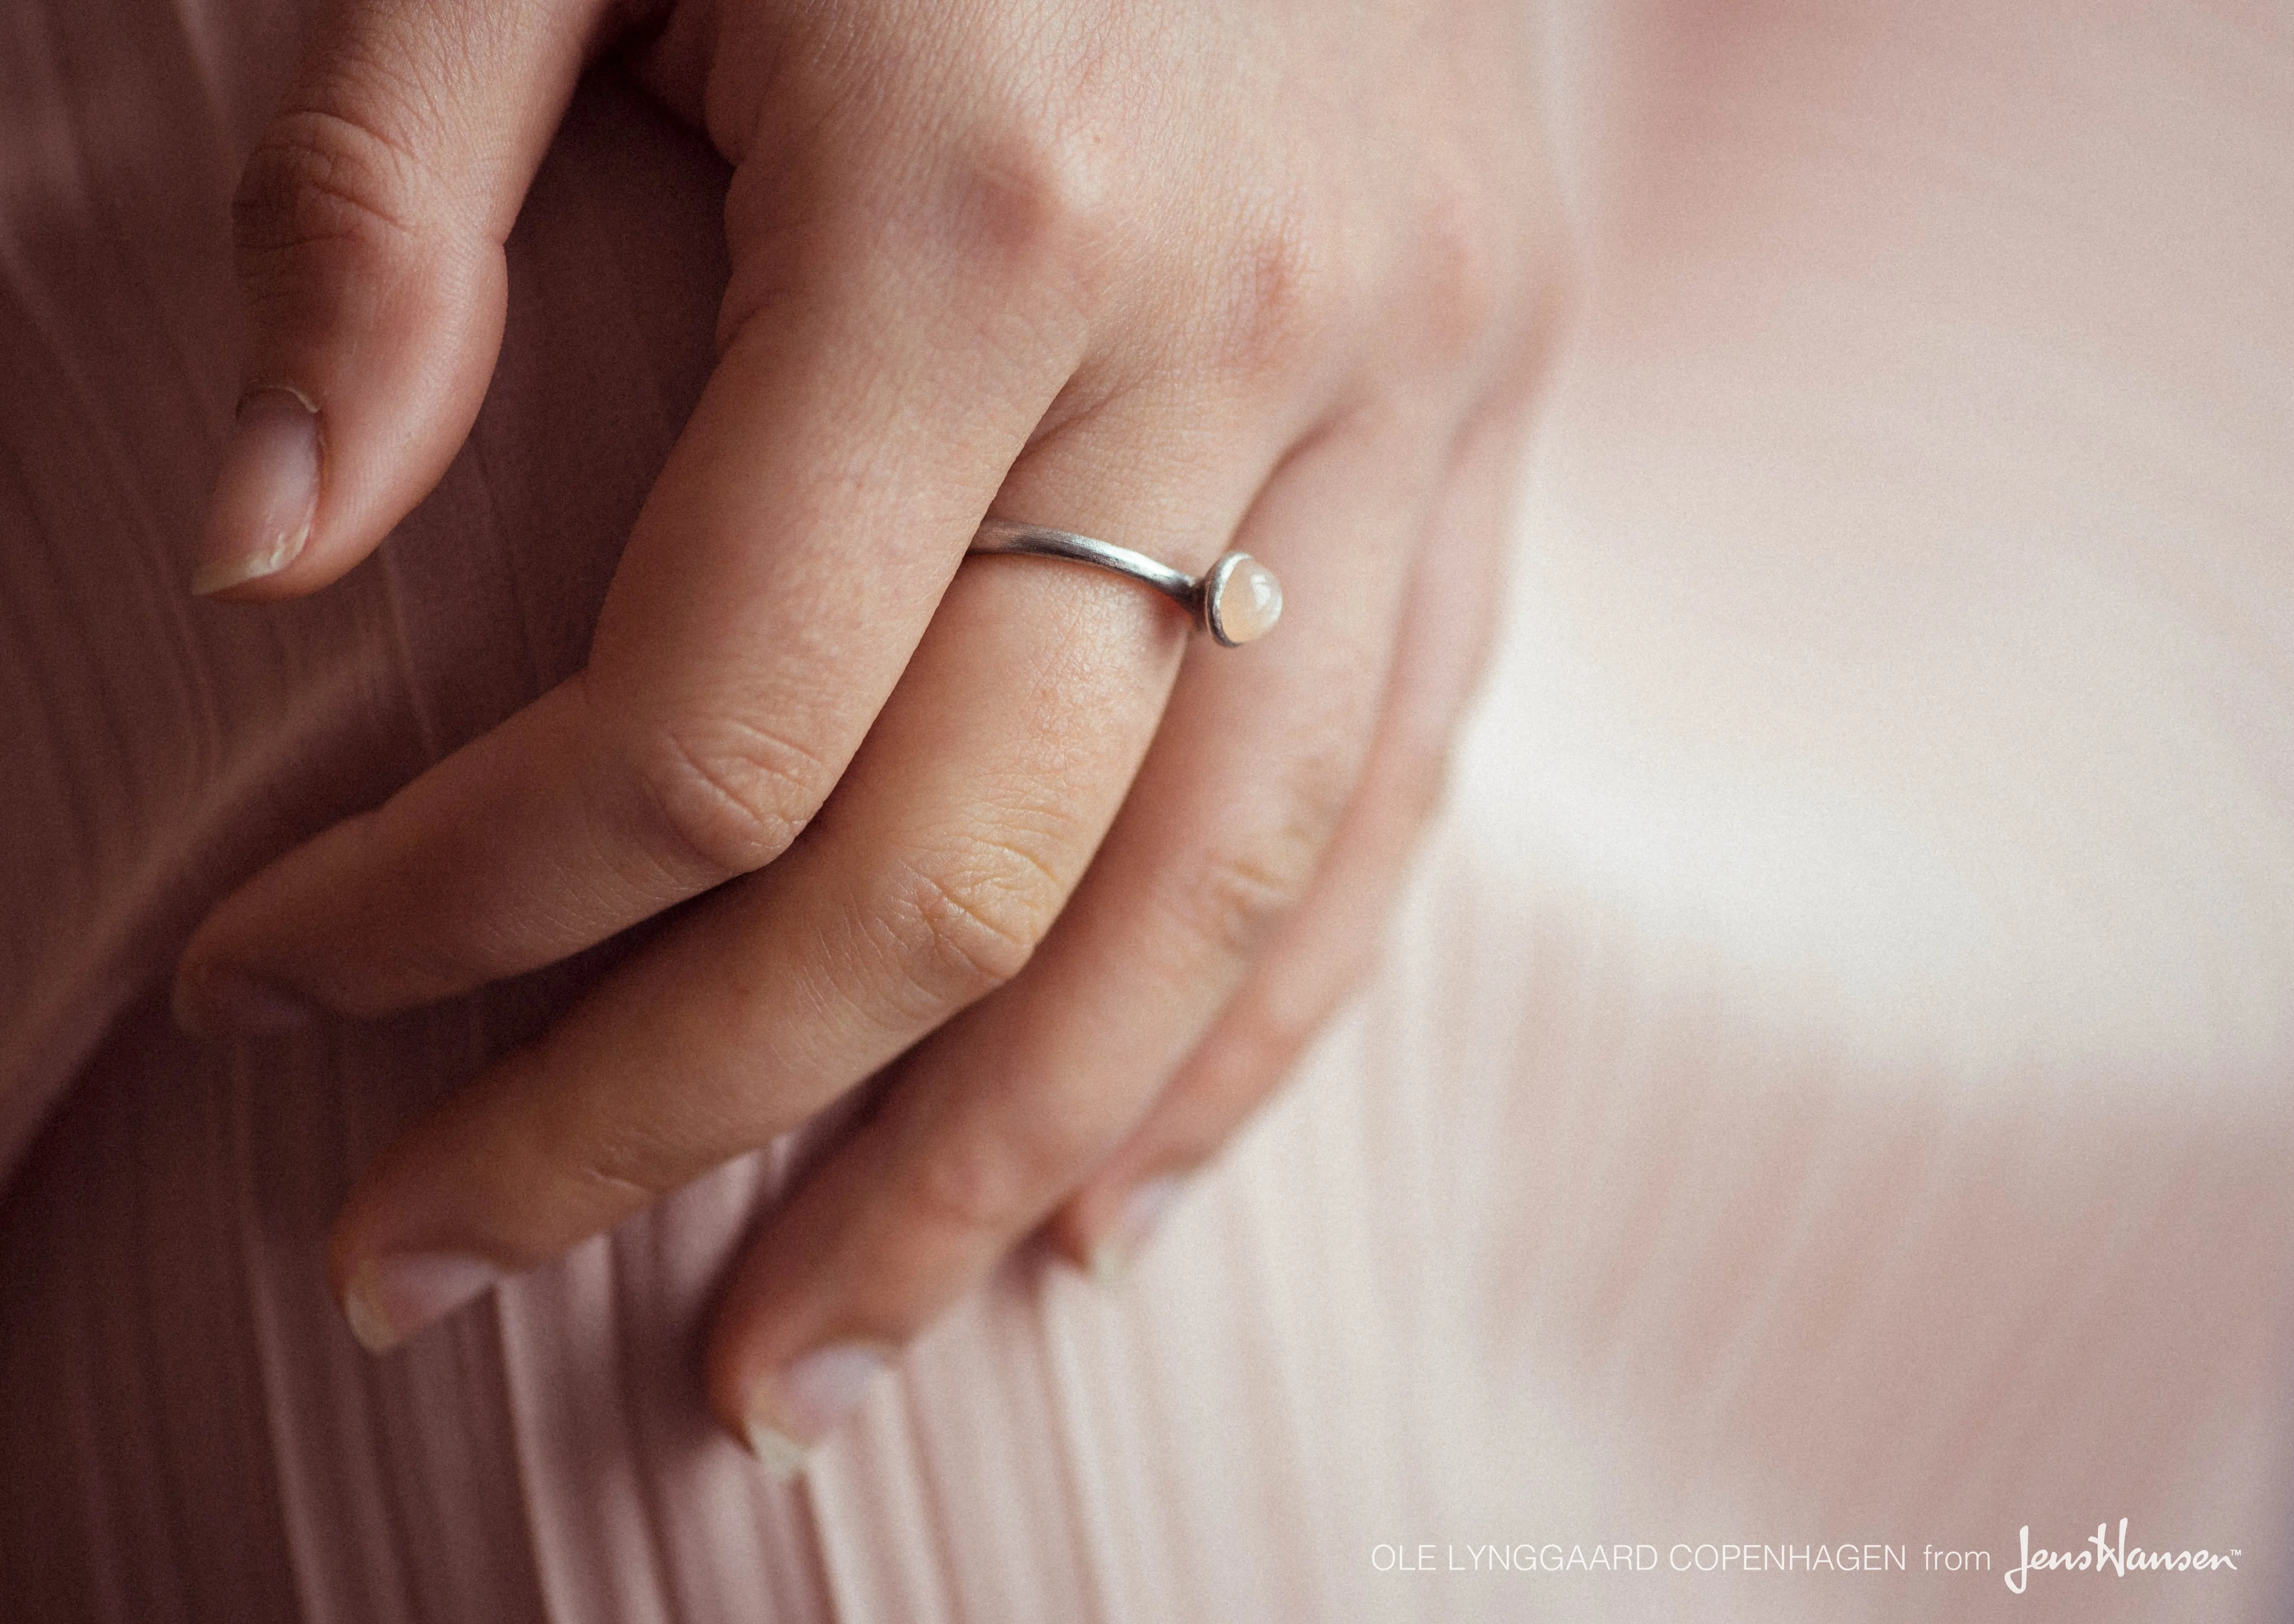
(1235, 600)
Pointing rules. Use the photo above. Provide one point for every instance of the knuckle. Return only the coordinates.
(554, 1167)
(1462, 276)
(1242, 889)
(959, 1187)
(1258, 1053)
(603, 1149)
(1030, 201)
(727, 797)
(964, 923)
(321, 180)
(1284, 303)
(993, 1185)
(1235, 899)
(625, 1173)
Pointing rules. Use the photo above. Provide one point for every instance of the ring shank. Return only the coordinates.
(1010, 536)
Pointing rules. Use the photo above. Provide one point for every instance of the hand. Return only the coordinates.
(1276, 275)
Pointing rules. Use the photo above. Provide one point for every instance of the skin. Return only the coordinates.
(1277, 275)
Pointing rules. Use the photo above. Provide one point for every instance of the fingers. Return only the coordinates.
(954, 841)
(1002, 1114)
(1328, 944)
(778, 577)
(368, 225)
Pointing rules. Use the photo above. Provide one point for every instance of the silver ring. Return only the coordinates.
(1235, 600)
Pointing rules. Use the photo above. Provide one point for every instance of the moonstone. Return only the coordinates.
(1249, 601)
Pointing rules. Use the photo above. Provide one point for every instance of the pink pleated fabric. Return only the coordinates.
(1828, 1087)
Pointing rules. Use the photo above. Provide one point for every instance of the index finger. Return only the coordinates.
(778, 577)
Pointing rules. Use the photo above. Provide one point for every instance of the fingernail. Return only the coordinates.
(1143, 1209)
(265, 497)
(391, 1298)
(797, 1409)
(226, 1002)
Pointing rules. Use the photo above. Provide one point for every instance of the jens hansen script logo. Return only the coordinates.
(2107, 1557)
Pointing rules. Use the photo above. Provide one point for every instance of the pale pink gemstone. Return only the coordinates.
(1249, 601)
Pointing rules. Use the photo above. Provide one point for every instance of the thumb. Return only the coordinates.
(369, 227)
